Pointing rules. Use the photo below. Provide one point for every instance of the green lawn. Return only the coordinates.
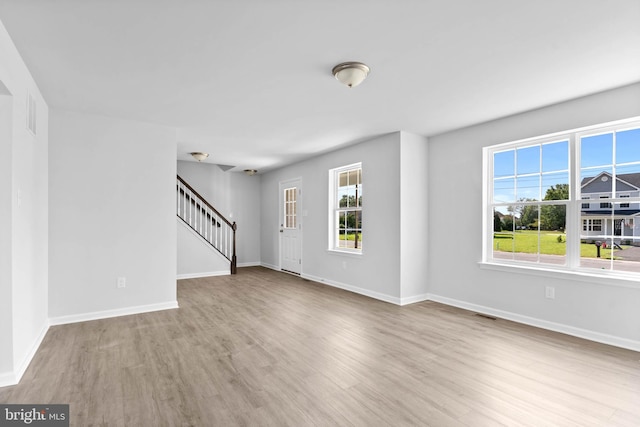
(351, 236)
(526, 241)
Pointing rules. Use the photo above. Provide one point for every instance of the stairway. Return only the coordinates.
(207, 222)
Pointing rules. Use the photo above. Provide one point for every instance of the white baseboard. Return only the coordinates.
(75, 318)
(354, 289)
(414, 299)
(249, 264)
(8, 379)
(270, 266)
(539, 323)
(358, 290)
(205, 274)
(13, 378)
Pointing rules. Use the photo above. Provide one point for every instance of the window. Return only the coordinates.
(537, 200)
(586, 205)
(624, 196)
(591, 225)
(346, 208)
(290, 207)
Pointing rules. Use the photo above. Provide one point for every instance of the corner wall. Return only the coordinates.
(376, 272)
(598, 311)
(24, 195)
(414, 218)
(112, 214)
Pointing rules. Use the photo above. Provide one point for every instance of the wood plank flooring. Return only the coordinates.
(268, 348)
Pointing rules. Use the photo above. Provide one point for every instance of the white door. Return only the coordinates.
(290, 227)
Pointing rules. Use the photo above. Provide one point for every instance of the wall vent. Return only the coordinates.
(31, 114)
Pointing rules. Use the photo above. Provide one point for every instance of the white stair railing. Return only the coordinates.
(205, 220)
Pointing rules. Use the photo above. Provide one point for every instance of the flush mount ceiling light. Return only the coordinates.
(351, 73)
(199, 156)
(250, 172)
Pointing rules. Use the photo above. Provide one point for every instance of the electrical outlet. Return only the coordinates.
(344, 265)
(122, 282)
(550, 292)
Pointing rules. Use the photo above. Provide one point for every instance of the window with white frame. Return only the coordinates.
(586, 205)
(536, 200)
(591, 225)
(345, 188)
(624, 196)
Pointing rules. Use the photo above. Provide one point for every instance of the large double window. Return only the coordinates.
(569, 200)
(345, 185)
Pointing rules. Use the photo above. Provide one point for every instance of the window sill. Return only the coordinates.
(347, 253)
(605, 279)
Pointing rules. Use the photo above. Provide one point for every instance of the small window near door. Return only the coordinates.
(346, 211)
(290, 207)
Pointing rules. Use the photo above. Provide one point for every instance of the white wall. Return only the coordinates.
(197, 258)
(112, 214)
(236, 196)
(414, 219)
(6, 291)
(377, 271)
(598, 311)
(24, 195)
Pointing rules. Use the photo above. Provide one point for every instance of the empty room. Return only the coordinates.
(356, 213)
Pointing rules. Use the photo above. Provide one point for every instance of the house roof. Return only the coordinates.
(632, 179)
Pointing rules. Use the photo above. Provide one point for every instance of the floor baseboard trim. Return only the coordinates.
(414, 299)
(13, 378)
(354, 289)
(543, 324)
(75, 318)
(8, 379)
(249, 264)
(270, 266)
(205, 274)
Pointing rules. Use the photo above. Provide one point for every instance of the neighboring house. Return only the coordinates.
(597, 216)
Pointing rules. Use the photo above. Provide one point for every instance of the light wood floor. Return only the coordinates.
(267, 348)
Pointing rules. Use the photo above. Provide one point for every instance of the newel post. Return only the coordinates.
(234, 267)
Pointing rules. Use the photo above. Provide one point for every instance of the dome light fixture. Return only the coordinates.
(351, 73)
(199, 156)
(250, 172)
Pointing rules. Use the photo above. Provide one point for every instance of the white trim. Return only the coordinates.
(13, 378)
(624, 281)
(34, 348)
(249, 264)
(204, 274)
(354, 289)
(8, 379)
(289, 183)
(343, 251)
(539, 323)
(270, 266)
(414, 299)
(334, 209)
(127, 311)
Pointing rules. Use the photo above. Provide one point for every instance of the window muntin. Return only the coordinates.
(290, 207)
(543, 213)
(525, 181)
(346, 214)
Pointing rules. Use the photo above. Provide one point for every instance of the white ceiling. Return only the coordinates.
(250, 82)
